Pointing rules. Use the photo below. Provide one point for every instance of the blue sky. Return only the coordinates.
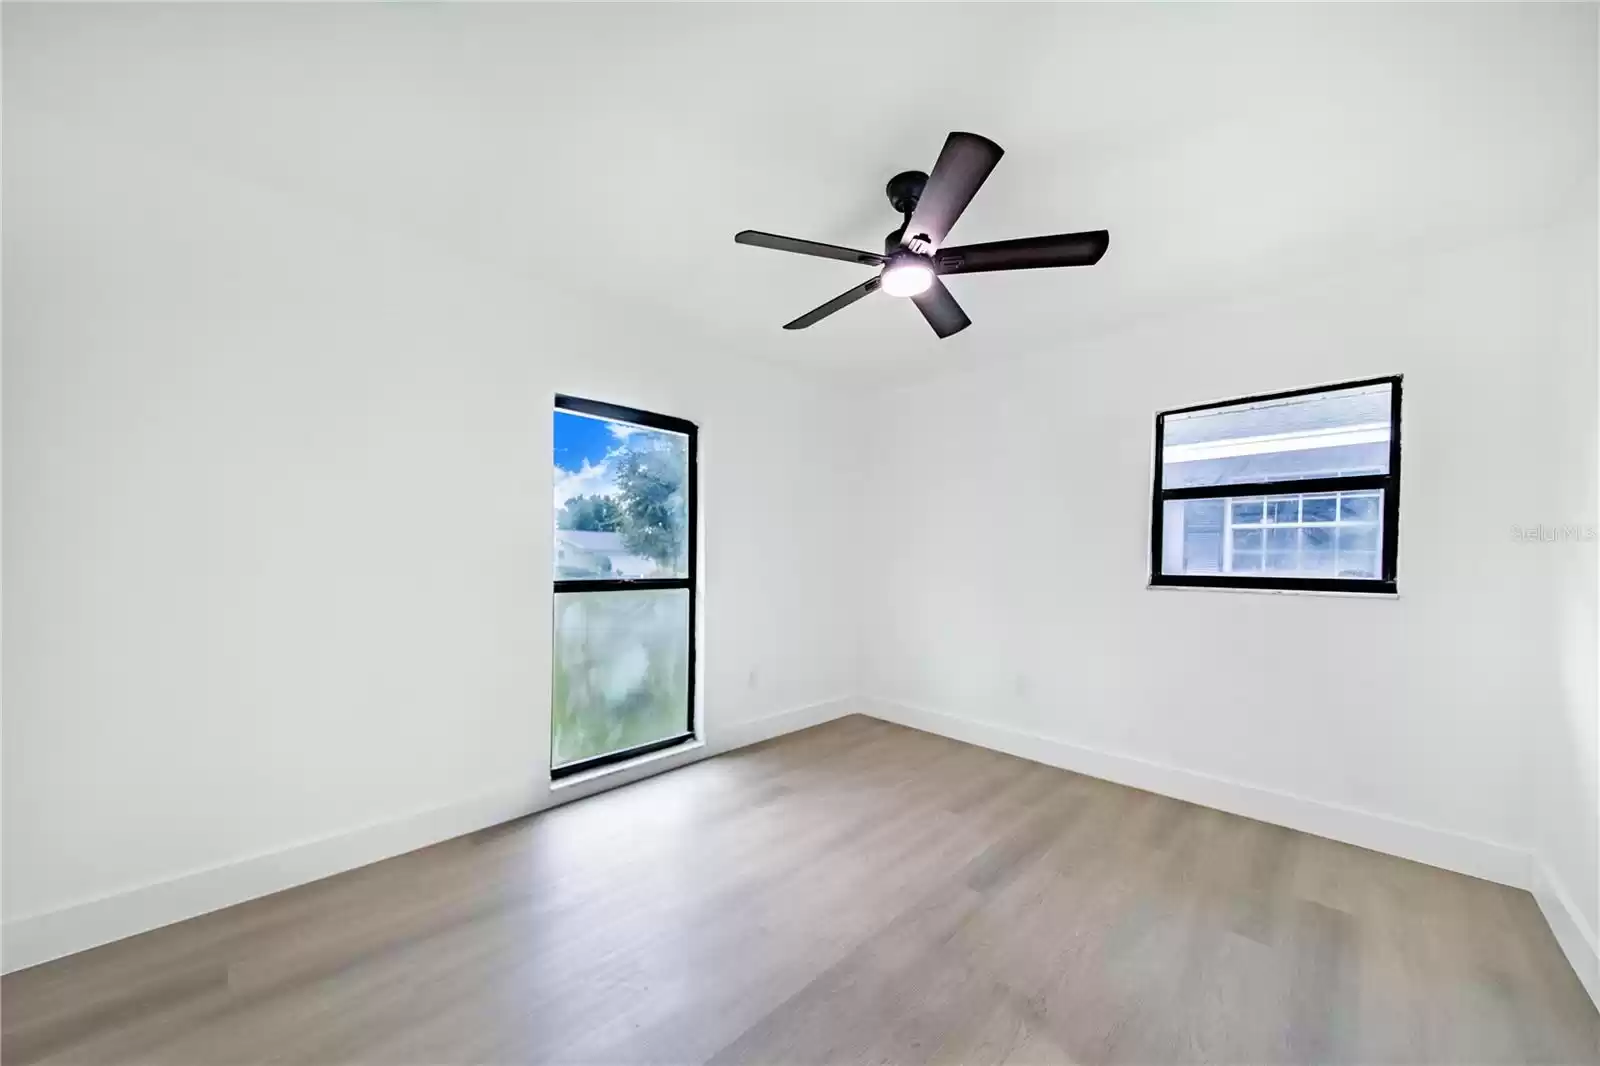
(584, 447)
(582, 440)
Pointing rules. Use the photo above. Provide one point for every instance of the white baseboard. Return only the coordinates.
(1489, 860)
(753, 731)
(32, 939)
(1572, 932)
(37, 938)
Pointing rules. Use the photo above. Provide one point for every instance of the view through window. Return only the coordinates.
(1292, 490)
(623, 661)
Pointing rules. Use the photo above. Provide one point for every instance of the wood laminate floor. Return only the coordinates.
(858, 892)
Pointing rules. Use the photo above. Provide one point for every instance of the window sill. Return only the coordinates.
(694, 744)
(1275, 592)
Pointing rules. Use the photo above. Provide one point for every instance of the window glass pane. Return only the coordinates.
(1192, 541)
(1283, 509)
(1362, 508)
(1246, 562)
(1357, 539)
(1358, 564)
(1316, 564)
(1198, 534)
(1246, 511)
(1283, 540)
(1319, 509)
(620, 671)
(1344, 431)
(621, 499)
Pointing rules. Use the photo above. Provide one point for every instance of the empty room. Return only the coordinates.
(800, 533)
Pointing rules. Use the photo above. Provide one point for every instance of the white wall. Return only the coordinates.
(1411, 708)
(277, 531)
(1016, 612)
(1564, 763)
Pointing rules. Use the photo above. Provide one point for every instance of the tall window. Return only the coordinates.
(1295, 490)
(623, 663)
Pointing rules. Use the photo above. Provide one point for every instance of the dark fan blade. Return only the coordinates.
(795, 244)
(838, 303)
(1060, 250)
(962, 167)
(941, 310)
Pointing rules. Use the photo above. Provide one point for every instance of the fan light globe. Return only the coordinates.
(907, 278)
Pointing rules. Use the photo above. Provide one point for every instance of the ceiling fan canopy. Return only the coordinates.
(914, 258)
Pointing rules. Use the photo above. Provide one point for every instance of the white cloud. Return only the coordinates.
(589, 480)
(621, 431)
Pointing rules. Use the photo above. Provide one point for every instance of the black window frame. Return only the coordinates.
(1389, 483)
(649, 420)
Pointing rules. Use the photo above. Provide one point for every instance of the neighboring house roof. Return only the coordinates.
(592, 541)
(1310, 415)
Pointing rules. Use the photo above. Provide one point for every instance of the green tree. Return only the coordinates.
(595, 514)
(650, 484)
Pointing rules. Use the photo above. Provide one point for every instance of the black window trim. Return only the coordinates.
(1389, 483)
(649, 420)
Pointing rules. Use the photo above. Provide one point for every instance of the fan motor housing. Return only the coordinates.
(905, 189)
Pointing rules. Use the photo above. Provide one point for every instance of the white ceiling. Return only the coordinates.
(618, 148)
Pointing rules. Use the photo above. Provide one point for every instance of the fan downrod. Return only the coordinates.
(903, 190)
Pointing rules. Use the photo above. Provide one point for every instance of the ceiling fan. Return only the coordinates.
(913, 261)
